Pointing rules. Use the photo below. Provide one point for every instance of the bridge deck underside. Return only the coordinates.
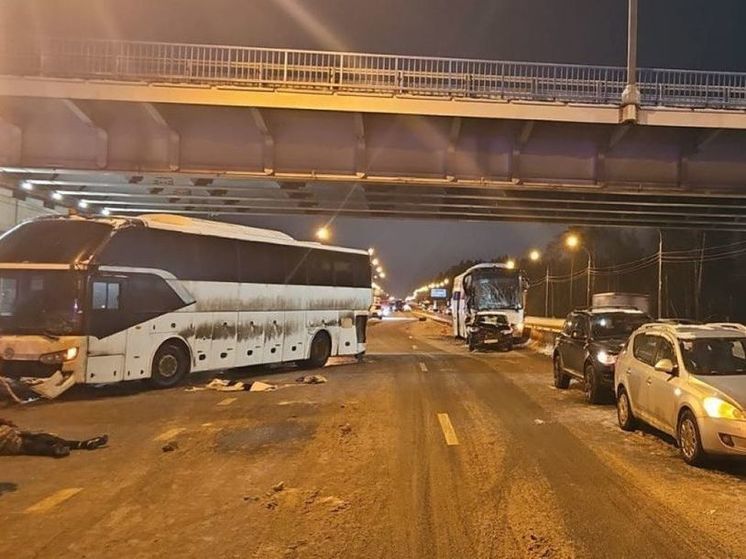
(134, 157)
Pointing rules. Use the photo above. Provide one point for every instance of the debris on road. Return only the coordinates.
(278, 487)
(539, 421)
(346, 429)
(222, 385)
(260, 386)
(311, 379)
(170, 446)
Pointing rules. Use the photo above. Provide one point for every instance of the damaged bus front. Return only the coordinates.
(43, 281)
(486, 295)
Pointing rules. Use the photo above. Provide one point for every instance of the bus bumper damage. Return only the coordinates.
(41, 365)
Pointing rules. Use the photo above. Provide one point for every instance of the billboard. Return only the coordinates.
(438, 293)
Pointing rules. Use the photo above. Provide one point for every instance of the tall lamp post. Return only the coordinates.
(572, 242)
(631, 93)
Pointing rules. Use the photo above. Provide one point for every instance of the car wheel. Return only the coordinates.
(690, 442)
(592, 390)
(321, 350)
(624, 413)
(471, 341)
(561, 378)
(170, 365)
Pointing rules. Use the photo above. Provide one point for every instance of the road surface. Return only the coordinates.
(422, 451)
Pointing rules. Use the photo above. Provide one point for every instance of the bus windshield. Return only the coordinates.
(53, 241)
(45, 302)
(495, 290)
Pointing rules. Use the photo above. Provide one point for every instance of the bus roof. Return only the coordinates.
(194, 226)
(486, 265)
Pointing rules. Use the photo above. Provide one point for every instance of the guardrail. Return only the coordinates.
(216, 65)
(544, 324)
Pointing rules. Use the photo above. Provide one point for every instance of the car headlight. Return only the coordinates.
(606, 358)
(59, 356)
(715, 407)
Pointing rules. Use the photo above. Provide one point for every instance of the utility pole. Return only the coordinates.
(546, 293)
(631, 93)
(660, 273)
(588, 294)
(572, 271)
(698, 296)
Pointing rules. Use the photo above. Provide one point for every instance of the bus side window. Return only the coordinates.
(343, 276)
(105, 295)
(320, 268)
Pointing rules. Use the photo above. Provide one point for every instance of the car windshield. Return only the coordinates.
(617, 324)
(494, 290)
(43, 302)
(714, 356)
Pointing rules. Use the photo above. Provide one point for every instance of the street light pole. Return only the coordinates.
(631, 93)
(546, 292)
(588, 286)
(660, 273)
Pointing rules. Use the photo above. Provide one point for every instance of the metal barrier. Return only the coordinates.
(362, 73)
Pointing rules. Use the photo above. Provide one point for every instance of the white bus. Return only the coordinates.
(104, 300)
(488, 289)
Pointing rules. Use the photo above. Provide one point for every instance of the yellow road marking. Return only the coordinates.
(170, 434)
(448, 432)
(423, 367)
(227, 401)
(54, 499)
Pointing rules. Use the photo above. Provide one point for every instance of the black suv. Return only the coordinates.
(588, 345)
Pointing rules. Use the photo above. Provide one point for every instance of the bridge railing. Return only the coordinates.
(363, 73)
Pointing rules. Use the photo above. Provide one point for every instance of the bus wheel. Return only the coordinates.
(170, 365)
(321, 349)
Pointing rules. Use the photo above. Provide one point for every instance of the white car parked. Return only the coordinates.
(688, 381)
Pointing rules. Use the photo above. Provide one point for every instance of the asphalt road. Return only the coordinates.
(423, 450)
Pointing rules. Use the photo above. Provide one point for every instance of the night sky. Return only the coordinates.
(694, 34)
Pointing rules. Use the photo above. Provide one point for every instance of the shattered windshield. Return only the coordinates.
(496, 290)
(40, 302)
(715, 356)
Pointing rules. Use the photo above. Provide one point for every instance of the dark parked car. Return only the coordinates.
(587, 347)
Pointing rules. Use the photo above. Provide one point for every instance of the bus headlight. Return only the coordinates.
(715, 407)
(59, 356)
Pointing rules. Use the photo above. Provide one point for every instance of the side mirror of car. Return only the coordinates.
(666, 366)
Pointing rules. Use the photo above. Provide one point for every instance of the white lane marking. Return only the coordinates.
(170, 434)
(54, 499)
(226, 402)
(448, 431)
(423, 367)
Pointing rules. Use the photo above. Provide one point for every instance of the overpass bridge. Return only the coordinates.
(133, 127)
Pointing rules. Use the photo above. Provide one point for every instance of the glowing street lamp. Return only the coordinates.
(510, 264)
(371, 250)
(534, 255)
(379, 269)
(572, 241)
(323, 234)
(375, 262)
(445, 281)
(383, 275)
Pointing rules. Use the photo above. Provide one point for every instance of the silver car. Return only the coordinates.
(688, 381)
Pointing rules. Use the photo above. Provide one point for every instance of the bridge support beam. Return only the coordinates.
(102, 136)
(361, 155)
(11, 142)
(269, 141)
(524, 135)
(599, 174)
(453, 136)
(171, 135)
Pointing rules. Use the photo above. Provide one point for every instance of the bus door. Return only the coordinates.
(108, 326)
